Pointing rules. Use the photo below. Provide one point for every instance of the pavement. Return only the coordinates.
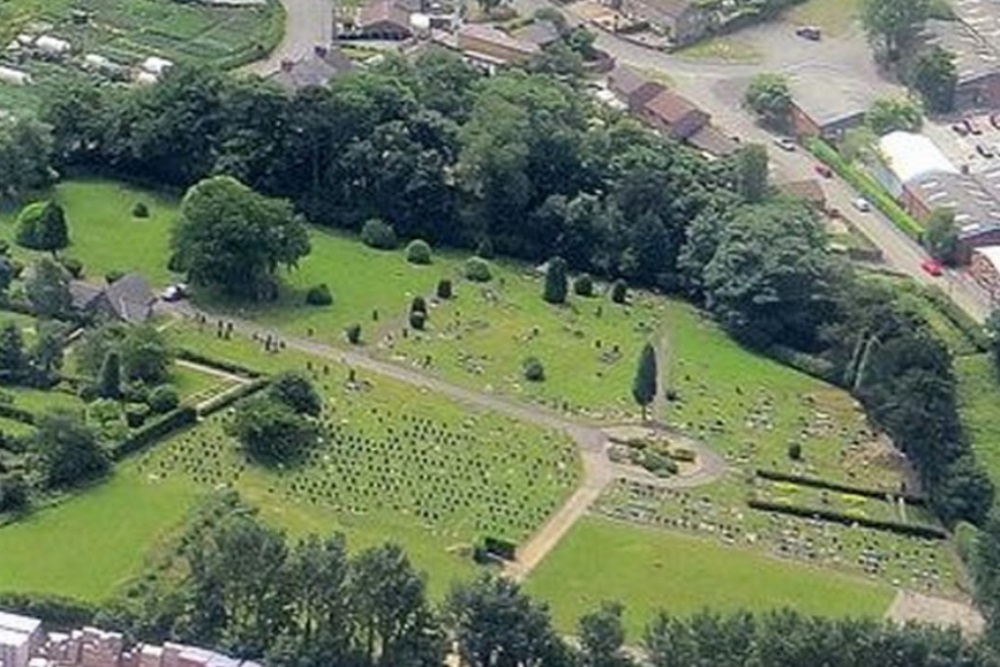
(308, 23)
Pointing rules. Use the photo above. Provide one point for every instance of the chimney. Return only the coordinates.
(321, 50)
(287, 65)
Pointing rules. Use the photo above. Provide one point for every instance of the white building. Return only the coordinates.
(19, 637)
(14, 77)
(908, 158)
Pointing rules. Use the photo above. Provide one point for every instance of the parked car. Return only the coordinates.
(809, 32)
(985, 150)
(824, 171)
(961, 128)
(862, 204)
(973, 126)
(175, 292)
(785, 144)
(834, 213)
(995, 120)
(931, 267)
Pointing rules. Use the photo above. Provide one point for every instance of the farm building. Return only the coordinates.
(985, 268)
(14, 77)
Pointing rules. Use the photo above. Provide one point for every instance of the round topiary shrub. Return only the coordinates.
(377, 233)
(477, 270)
(163, 398)
(444, 289)
(533, 370)
(583, 285)
(619, 291)
(353, 333)
(319, 295)
(418, 319)
(418, 252)
(140, 210)
(418, 305)
(73, 266)
(795, 451)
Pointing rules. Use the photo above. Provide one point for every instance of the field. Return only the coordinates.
(128, 31)
(395, 463)
(651, 570)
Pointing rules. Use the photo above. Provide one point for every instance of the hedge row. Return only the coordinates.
(867, 186)
(911, 530)
(816, 483)
(56, 611)
(227, 398)
(972, 330)
(17, 414)
(806, 363)
(155, 430)
(218, 364)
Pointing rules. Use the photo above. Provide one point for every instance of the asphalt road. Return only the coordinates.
(308, 23)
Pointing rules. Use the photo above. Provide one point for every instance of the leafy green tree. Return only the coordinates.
(47, 352)
(556, 281)
(25, 155)
(109, 380)
(395, 626)
(645, 381)
(965, 492)
(893, 24)
(67, 450)
(941, 236)
(297, 392)
(47, 288)
(230, 237)
(164, 398)
(496, 625)
(993, 330)
(145, 355)
(935, 76)
(14, 492)
(770, 98)
(751, 172)
(13, 361)
(271, 432)
(53, 231)
(894, 113)
(602, 637)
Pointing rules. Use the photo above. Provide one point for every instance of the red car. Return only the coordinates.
(824, 171)
(931, 267)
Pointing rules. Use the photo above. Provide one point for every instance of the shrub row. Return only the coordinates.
(218, 364)
(17, 414)
(805, 363)
(867, 186)
(227, 398)
(912, 530)
(56, 611)
(971, 329)
(155, 430)
(816, 483)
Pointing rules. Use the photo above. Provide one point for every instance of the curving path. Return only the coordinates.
(308, 23)
(592, 442)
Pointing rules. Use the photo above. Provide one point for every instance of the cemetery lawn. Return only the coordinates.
(103, 233)
(602, 559)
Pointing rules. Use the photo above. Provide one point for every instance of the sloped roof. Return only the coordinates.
(313, 69)
(383, 11)
(669, 106)
(808, 190)
(131, 297)
(913, 156)
(714, 141)
(991, 253)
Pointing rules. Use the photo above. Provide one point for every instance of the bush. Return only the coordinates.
(658, 464)
(140, 210)
(319, 295)
(113, 276)
(13, 493)
(795, 451)
(583, 285)
(683, 454)
(418, 252)
(533, 370)
(4, 247)
(58, 613)
(444, 289)
(154, 430)
(135, 414)
(73, 266)
(477, 270)
(163, 398)
(619, 291)
(379, 234)
(485, 249)
(418, 319)
(353, 333)
(16, 268)
(418, 305)
(966, 538)
(910, 529)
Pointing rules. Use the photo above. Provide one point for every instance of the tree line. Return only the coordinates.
(242, 587)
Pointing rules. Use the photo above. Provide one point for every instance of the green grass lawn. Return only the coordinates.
(103, 233)
(979, 406)
(649, 570)
(833, 17)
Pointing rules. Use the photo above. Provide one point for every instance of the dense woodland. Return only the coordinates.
(526, 165)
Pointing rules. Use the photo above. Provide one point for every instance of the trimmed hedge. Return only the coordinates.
(218, 364)
(867, 186)
(913, 530)
(17, 414)
(972, 330)
(155, 430)
(56, 611)
(816, 483)
(805, 363)
(227, 398)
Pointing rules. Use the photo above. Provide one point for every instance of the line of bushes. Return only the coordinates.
(155, 430)
(911, 530)
(227, 398)
(867, 186)
(17, 414)
(817, 483)
(218, 364)
(972, 330)
(56, 611)
(804, 362)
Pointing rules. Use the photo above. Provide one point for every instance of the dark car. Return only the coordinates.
(824, 171)
(809, 32)
(961, 128)
(984, 150)
(995, 120)
(973, 126)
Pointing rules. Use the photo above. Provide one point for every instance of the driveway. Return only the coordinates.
(308, 23)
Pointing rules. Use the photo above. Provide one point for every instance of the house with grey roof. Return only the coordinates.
(128, 299)
(315, 69)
